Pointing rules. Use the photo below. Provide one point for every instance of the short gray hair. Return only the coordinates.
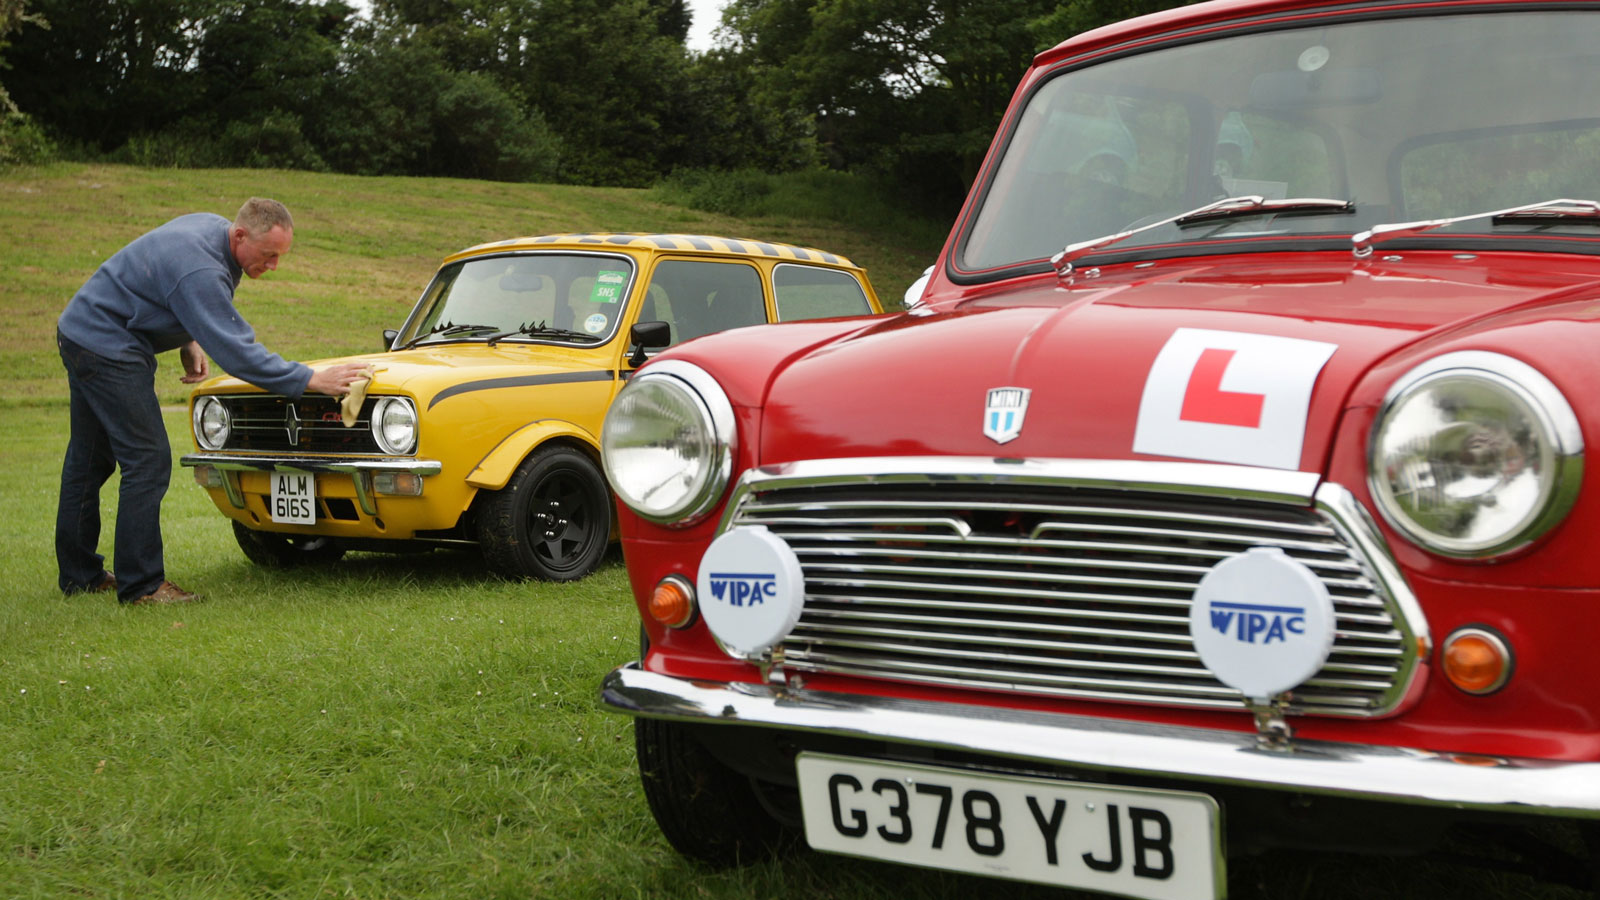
(259, 215)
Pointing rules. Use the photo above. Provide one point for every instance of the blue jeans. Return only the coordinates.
(116, 421)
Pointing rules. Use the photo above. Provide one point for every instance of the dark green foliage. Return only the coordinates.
(274, 141)
(22, 141)
(737, 193)
(912, 88)
(259, 55)
(610, 83)
(850, 199)
(106, 70)
(728, 125)
(404, 112)
(597, 92)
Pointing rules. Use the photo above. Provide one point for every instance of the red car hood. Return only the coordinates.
(1236, 360)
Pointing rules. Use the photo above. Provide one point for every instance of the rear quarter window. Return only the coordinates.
(808, 292)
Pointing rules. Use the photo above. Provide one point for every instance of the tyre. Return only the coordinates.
(551, 521)
(707, 811)
(275, 550)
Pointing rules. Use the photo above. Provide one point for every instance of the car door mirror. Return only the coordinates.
(647, 336)
(389, 334)
(913, 297)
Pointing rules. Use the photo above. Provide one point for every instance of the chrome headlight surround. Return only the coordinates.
(212, 424)
(1474, 454)
(668, 443)
(394, 425)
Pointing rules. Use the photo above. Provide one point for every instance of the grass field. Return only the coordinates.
(364, 248)
(392, 727)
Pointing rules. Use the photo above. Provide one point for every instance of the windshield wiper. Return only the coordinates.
(1552, 210)
(531, 328)
(1226, 208)
(445, 329)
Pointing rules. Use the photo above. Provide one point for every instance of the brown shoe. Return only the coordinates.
(167, 592)
(106, 582)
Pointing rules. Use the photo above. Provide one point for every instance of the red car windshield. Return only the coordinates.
(1408, 118)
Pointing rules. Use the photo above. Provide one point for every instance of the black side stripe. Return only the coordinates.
(491, 384)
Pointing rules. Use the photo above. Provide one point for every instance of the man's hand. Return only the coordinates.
(195, 365)
(335, 380)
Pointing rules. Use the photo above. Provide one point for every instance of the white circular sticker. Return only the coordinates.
(595, 324)
(1262, 622)
(751, 590)
(1313, 58)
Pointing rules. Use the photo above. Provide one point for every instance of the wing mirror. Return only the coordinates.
(647, 336)
(913, 296)
(389, 335)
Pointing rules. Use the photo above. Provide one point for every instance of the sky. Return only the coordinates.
(707, 13)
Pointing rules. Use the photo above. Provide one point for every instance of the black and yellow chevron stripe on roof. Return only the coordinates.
(688, 242)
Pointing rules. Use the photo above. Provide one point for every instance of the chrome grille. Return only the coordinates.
(1051, 587)
(312, 424)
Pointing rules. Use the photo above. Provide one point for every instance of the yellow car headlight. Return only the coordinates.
(394, 425)
(212, 424)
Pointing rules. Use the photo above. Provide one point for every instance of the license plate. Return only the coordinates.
(1159, 845)
(293, 499)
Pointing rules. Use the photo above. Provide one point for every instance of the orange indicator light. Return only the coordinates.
(1476, 660)
(672, 602)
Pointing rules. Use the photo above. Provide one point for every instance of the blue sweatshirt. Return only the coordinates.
(170, 286)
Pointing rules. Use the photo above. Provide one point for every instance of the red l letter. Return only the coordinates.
(1206, 401)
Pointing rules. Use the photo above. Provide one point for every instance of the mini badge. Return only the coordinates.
(1262, 622)
(751, 590)
(1003, 412)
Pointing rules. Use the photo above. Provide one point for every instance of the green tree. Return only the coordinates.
(264, 55)
(13, 14)
(398, 109)
(612, 84)
(915, 88)
(725, 124)
(107, 69)
(609, 76)
(21, 139)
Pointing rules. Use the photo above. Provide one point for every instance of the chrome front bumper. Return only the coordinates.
(1357, 771)
(361, 469)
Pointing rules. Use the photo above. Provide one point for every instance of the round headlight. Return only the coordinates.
(394, 425)
(211, 423)
(668, 443)
(1475, 454)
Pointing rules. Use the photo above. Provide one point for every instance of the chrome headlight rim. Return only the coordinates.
(380, 410)
(716, 412)
(202, 407)
(1551, 412)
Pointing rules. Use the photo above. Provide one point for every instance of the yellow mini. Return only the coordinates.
(481, 421)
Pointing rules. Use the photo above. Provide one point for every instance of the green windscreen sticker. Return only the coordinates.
(608, 287)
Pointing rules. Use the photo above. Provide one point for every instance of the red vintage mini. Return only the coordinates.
(1222, 486)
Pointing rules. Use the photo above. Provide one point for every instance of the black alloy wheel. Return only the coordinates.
(551, 521)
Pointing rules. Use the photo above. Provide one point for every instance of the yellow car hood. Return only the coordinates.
(431, 373)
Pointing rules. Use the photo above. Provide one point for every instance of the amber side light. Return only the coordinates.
(1476, 660)
(672, 602)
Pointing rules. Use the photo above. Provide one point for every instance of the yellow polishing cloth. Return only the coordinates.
(350, 405)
